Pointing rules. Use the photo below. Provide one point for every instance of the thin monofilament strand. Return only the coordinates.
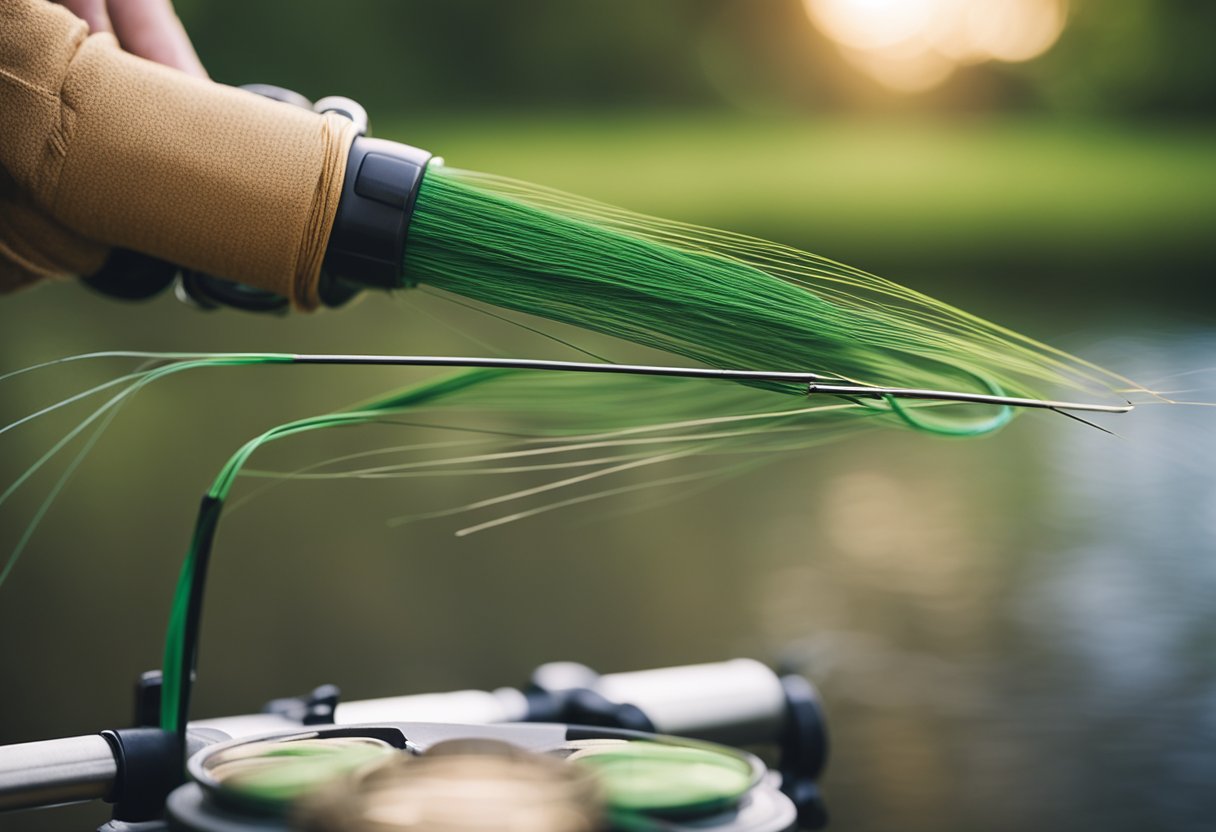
(720, 298)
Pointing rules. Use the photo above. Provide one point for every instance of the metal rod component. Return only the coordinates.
(51, 772)
(967, 398)
(811, 379)
(567, 366)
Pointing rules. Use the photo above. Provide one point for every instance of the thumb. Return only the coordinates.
(152, 30)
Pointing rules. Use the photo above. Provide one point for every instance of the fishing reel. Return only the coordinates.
(366, 244)
(572, 751)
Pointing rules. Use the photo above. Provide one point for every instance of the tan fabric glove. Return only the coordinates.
(34, 247)
(129, 153)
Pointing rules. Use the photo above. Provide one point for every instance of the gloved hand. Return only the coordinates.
(33, 245)
(140, 156)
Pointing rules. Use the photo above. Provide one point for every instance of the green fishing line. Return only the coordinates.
(731, 431)
(662, 778)
(273, 774)
(722, 299)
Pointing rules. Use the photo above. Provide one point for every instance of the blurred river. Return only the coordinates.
(1009, 633)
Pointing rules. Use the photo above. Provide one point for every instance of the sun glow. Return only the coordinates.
(914, 45)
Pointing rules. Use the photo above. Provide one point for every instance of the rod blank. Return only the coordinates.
(812, 380)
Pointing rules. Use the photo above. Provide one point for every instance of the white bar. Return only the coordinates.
(51, 772)
(470, 707)
(738, 698)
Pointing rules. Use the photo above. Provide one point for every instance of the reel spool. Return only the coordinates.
(422, 777)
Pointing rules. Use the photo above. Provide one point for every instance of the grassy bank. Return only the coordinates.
(1074, 206)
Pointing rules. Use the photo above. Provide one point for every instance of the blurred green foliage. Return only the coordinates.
(981, 209)
(1133, 57)
(1071, 170)
(1128, 57)
(1008, 633)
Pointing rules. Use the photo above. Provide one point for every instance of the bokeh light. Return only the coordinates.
(914, 45)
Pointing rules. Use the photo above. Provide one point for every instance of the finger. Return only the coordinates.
(152, 30)
(92, 12)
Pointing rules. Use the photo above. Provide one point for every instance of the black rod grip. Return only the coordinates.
(367, 243)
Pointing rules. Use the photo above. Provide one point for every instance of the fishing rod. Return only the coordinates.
(813, 383)
(741, 702)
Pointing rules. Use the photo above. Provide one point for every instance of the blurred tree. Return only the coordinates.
(1134, 56)
(460, 54)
